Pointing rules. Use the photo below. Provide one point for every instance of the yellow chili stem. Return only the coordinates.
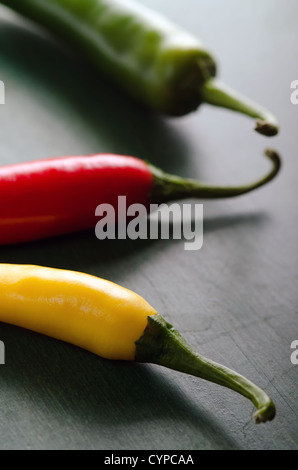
(162, 344)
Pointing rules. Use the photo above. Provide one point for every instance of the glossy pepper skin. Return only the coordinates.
(110, 321)
(46, 198)
(152, 59)
(84, 310)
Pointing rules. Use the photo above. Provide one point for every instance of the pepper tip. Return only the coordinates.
(267, 413)
(275, 158)
(266, 128)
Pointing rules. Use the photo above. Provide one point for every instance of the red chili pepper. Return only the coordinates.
(52, 197)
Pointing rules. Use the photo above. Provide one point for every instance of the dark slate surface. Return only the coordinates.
(235, 300)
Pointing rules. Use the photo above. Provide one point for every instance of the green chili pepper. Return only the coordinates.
(155, 61)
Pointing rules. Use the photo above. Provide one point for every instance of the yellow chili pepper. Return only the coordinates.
(84, 310)
(110, 321)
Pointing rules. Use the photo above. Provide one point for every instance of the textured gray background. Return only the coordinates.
(235, 300)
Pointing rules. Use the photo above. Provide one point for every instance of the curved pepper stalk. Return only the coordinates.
(161, 344)
(215, 93)
(169, 187)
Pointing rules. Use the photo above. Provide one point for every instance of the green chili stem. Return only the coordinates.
(169, 187)
(217, 94)
(161, 344)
